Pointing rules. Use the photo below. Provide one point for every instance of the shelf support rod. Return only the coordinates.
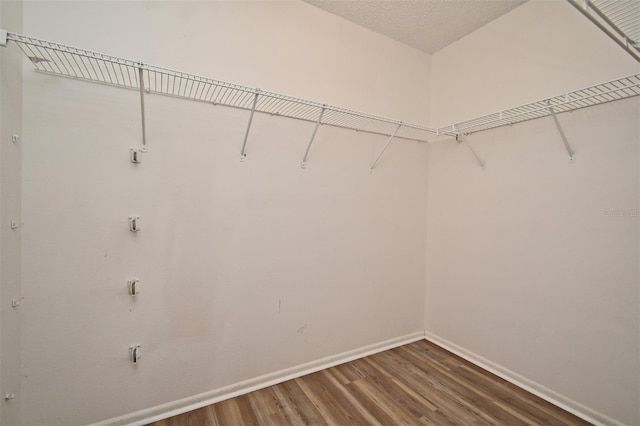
(313, 136)
(462, 138)
(243, 154)
(144, 128)
(386, 145)
(562, 135)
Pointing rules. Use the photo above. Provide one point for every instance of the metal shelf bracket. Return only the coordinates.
(135, 353)
(562, 135)
(313, 136)
(463, 139)
(384, 148)
(141, 84)
(135, 154)
(243, 154)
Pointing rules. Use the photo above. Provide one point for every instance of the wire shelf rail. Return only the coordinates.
(623, 14)
(62, 60)
(619, 19)
(615, 90)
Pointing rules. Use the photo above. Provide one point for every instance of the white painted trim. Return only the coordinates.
(543, 392)
(184, 405)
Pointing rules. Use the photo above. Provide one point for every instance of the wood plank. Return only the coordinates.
(505, 393)
(448, 405)
(266, 408)
(227, 412)
(472, 397)
(398, 414)
(418, 383)
(295, 405)
(321, 399)
(344, 393)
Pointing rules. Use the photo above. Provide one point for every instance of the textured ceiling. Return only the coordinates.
(427, 25)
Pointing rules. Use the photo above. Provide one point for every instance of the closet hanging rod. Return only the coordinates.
(610, 91)
(66, 61)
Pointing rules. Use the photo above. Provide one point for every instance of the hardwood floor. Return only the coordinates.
(416, 384)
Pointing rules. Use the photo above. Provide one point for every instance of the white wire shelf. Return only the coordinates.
(619, 19)
(624, 14)
(615, 90)
(61, 60)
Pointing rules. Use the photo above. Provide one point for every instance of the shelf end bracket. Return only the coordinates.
(3, 38)
(384, 148)
(570, 150)
(243, 153)
(313, 136)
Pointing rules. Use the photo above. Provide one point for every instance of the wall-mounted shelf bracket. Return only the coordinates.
(15, 302)
(463, 139)
(3, 38)
(134, 223)
(9, 396)
(141, 84)
(572, 157)
(313, 136)
(135, 353)
(135, 154)
(384, 148)
(133, 287)
(243, 154)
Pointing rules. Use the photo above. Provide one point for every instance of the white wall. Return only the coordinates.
(246, 268)
(527, 270)
(10, 210)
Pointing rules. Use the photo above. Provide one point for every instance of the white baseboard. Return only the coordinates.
(184, 405)
(556, 399)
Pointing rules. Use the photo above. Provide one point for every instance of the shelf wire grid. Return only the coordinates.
(67, 61)
(615, 90)
(619, 19)
(623, 14)
(61, 60)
